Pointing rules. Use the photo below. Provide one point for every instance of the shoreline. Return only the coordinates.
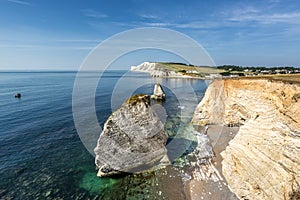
(219, 138)
(290, 78)
(261, 160)
(179, 76)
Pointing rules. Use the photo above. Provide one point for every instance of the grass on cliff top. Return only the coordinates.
(289, 78)
(177, 67)
(138, 98)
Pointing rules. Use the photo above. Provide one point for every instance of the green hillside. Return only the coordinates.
(188, 69)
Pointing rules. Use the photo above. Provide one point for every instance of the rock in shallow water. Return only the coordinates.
(133, 139)
(158, 93)
(18, 95)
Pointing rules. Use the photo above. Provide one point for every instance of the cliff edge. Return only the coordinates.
(262, 161)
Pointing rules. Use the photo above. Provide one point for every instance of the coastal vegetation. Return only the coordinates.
(190, 70)
(287, 78)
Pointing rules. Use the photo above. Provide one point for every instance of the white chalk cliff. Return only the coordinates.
(263, 159)
(154, 70)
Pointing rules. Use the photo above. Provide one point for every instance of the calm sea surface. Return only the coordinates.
(41, 154)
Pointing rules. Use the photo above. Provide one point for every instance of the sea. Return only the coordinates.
(42, 155)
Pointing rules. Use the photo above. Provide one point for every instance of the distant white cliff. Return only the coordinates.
(154, 70)
(144, 67)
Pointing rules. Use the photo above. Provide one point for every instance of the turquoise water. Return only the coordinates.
(41, 155)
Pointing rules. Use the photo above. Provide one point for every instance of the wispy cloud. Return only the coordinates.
(201, 24)
(77, 40)
(261, 15)
(247, 10)
(288, 18)
(93, 13)
(209, 24)
(20, 2)
(46, 47)
(149, 16)
(157, 24)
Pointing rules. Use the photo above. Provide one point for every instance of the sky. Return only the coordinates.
(59, 34)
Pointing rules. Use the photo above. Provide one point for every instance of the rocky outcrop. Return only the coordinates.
(154, 70)
(262, 161)
(158, 92)
(18, 95)
(133, 139)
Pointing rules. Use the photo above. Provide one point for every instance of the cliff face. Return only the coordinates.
(133, 139)
(153, 70)
(262, 161)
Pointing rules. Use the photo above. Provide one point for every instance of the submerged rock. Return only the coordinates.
(133, 139)
(158, 92)
(18, 95)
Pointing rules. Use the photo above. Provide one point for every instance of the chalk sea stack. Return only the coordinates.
(158, 92)
(133, 139)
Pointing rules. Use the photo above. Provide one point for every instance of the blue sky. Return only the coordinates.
(58, 34)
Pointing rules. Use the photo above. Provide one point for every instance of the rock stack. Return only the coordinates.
(158, 93)
(133, 139)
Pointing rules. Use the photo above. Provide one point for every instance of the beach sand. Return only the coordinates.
(213, 188)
